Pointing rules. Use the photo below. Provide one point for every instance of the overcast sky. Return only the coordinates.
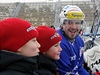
(7, 1)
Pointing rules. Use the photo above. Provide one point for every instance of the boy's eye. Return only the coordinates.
(56, 45)
(34, 40)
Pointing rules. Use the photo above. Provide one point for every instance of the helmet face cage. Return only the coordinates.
(79, 22)
(71, 13)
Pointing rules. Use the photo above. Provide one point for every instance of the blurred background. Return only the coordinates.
(45, 12)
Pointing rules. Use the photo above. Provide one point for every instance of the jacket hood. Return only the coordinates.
(8, 58)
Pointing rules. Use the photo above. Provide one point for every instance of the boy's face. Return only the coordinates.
(54, 51)
(30, 48)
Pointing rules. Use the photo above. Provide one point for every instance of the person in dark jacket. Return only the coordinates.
(18, 47)
(50, 49)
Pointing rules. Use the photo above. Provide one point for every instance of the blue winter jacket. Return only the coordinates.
(71, 58)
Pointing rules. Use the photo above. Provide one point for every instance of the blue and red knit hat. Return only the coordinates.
(47, 37)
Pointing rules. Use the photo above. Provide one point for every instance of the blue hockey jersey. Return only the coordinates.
(71, 58)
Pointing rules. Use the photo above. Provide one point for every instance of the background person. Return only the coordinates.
(71, 58)
(50, 49)
(52, 27)
(18, 47)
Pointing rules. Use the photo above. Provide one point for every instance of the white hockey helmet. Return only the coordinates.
(71, 13)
